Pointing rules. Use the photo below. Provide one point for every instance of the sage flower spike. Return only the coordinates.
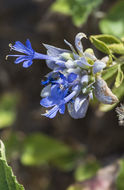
(73, 77)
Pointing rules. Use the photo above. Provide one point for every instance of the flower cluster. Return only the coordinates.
(75, 77)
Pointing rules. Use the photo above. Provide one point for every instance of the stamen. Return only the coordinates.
(10, 45)
(61, 87)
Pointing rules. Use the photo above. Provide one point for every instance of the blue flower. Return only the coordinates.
(59, 94)
(74, 77)
(29, 53)
(59, 106)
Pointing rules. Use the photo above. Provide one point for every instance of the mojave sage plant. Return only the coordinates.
(76, 75)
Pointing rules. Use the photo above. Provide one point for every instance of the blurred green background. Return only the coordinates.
(53, 154)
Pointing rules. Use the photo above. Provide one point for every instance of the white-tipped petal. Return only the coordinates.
(70, 64)
(46, 91)
(98, 66)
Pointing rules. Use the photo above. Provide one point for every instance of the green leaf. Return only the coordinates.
(78, 9)
(114, 44)
(120, 178)
(108, 39)
(100, 45)
(86, 170)
(61, 6)
(14, 145)
(7, 179)
(119, 77)
(68, 162)
(117, 48)
(113, 23)
(65, 162)
(109, 72)
(40, 149)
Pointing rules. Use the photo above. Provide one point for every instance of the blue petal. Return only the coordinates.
(57, 94)
(46, 91)
(20, 59)
(69, 97)
(81, 112)
(74, 70)
(71, 77)
(52, 113)
(28, 44)
(20, 48)
(78, 102)
(98, 66)
(50, 64)
(60, 63)
(62, 109)
(54, 51)
(45, 82)
(82, 63)
(47, 102)
(62, 76)
(27, 63)
(76, 88)
(43, 56)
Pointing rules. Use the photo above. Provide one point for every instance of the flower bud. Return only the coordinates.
(103, 93)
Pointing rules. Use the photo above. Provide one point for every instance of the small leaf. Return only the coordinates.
(114, 44)
(100, 45)
(68, 162)
(117, 48)
(86, 170)
(108, 39)
(109, 72)
(119, 77)
(7, 179)
(40, 149)
(113, 23)
(120, 178)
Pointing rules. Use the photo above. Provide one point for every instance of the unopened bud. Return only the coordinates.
(103, 93)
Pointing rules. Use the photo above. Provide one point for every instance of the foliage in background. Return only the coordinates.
(7, 179)
(86, 170)
(79, 10)
(39, 149)
(113, 23)
(8, 102)
(120, 179)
